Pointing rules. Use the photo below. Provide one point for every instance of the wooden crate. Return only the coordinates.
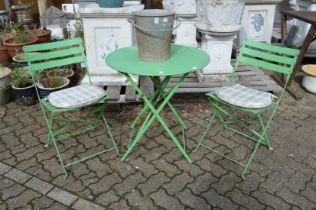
(121, 94)
(125, 94)
(246, 75)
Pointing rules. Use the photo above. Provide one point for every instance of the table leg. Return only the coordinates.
(161, 88)
(156, 112)
(154, 99)
(145, 108)
(308, 39)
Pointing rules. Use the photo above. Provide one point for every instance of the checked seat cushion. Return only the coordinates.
(77, 96)
(242, 96)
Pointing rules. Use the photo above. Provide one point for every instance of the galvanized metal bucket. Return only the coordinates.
(153, 33)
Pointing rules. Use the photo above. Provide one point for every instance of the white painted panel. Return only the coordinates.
(103, 36)
(257, 22)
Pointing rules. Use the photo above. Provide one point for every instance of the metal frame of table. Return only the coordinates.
(183, 60)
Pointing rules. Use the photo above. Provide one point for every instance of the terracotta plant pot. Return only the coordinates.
(4, 55)
(43, 35)
(17, 48)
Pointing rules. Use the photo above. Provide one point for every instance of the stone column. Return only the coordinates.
(186, 12)
(219, 22)
(219, 47)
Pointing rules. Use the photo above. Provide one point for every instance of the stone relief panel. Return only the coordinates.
(220, 54)
(107, 42)
(256, 24)
(103, 37)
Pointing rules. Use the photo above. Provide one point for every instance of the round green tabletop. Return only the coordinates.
(182, 60)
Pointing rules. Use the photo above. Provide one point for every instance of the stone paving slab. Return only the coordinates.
(155, 175)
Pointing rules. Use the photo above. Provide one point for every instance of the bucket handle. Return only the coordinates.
(146, 29)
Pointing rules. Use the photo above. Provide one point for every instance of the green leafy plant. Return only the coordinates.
(16, 31)
(52, 82)
(53, 78)
(20, 78)
(63, 72)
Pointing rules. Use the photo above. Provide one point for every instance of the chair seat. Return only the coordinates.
(77, 96)
(242, 96)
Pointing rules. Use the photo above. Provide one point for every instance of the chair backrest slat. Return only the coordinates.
(265, 65)
(271, 48)
(52, 45)
(55, 54)
(268, 57)
(52, 64)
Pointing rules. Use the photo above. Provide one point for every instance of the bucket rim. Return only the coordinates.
(153, 13)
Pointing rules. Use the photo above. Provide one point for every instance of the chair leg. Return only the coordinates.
(252, 156)
(221, 119)
(54, 140)
(218, 111)
(184, 140)
(107, 127)
(265, 132)
(49, 139)
(216, 114)
(205, 132)
(59, 156)
(263, 136)
(49, 126)
(131, 137)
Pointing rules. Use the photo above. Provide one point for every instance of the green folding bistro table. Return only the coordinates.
(183, 61)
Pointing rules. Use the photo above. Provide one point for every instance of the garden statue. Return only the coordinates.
(218, 22)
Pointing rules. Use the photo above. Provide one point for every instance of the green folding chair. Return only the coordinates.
(226, 100)
(60, 54)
